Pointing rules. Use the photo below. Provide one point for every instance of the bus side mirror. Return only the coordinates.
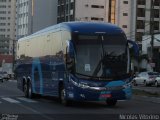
(133, 45)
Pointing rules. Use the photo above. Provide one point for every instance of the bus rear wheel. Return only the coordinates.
(111, 102)
(28, 90)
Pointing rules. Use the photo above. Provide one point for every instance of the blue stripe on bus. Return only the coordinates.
(36, 64)
(115, 83)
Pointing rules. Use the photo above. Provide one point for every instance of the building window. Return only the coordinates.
(157, 2)
(140, 24)
(86, 18)
(86, 5)
(2, 18)
(71, 18)
(2, 36)
(112, 11)
(59, 2)
(97, 19)
(2, 12)
(125, 2)
(125, 14)
(94, 18)
(2, 0)
(141, 12)
(141, 2)
(97, 6)
(2, 24)
(72, 6)
(139, 36)
(2, 30)
(156, 25)
(156, 13)
(2, 6)
(124, 26)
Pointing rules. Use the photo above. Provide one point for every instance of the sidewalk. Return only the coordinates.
(148, 94)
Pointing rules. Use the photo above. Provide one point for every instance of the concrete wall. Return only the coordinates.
(129, 20)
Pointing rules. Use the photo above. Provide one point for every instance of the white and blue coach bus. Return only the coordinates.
(76, 61)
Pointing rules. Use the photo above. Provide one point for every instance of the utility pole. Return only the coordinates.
(152, 29)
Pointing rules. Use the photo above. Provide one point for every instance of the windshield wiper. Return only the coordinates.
(106, 56)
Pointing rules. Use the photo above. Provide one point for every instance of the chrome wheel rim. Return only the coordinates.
(63, 93)
(29, 91)
(25, 90)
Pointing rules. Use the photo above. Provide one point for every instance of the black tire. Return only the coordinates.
(28, 90)
(111, 102)
(134, 83)
(145, 83)
(156, 84)
(62, 97)
(25, 89)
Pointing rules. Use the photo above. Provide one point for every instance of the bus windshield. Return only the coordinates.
(101, 56)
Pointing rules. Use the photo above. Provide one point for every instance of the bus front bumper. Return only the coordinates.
(99, 93)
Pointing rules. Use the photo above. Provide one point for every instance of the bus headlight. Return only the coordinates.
(79, 84)
(83, 85)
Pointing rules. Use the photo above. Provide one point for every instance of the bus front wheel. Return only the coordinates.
(62, 96)
(111, 102)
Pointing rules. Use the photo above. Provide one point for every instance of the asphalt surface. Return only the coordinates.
(13, 104)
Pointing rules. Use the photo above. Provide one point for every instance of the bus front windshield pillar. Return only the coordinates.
(70, 58)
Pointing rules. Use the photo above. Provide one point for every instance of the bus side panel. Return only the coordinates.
(44, 55)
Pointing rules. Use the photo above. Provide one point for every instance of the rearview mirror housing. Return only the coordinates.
(133, 45)
(71, 50)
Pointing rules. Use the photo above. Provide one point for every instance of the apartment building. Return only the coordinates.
(82, 10)
(34, 15)
(143, 18)
(7, 25)
(133, 16)
(119, 12)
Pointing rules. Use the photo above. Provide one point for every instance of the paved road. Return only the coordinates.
(13, 102)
